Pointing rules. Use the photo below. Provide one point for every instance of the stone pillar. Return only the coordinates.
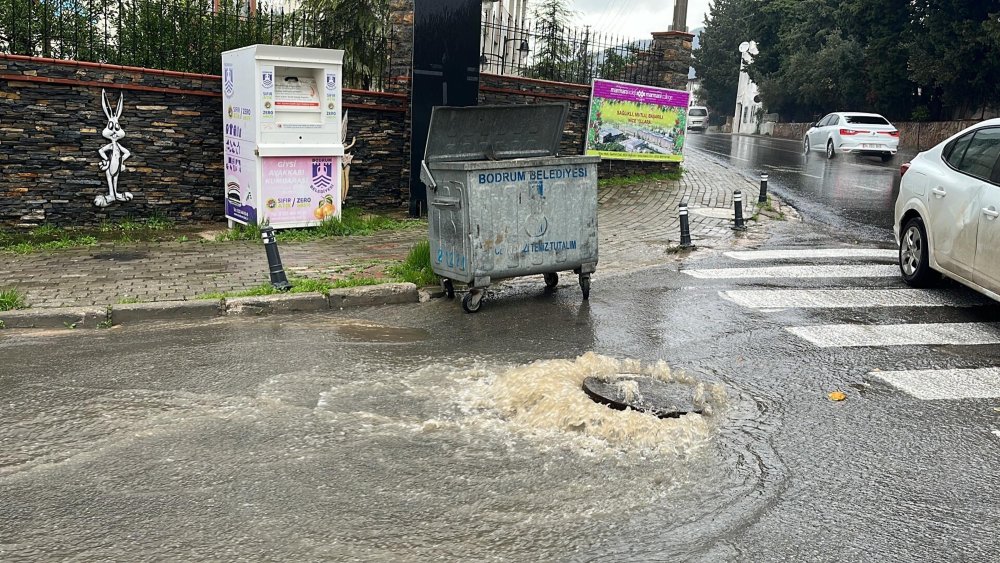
(670, 69)
(400, 67)
(401, 59)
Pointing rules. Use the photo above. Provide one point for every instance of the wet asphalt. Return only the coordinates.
(398, 433)
(379, 436)
(853, 194)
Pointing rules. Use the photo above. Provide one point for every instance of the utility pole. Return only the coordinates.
(680, 16)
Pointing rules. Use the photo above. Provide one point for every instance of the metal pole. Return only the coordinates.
(685, 228)
(763, 188)
(277, 272)
(738, 208)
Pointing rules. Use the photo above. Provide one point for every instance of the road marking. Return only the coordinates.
(845, 298)
(846, 335)
(936, 384)
(814, 253)
(862, 271)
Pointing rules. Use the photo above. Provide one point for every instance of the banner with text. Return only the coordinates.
(635, 122)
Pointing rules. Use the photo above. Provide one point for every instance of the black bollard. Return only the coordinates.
(277, 272)
(763, 189)
(738, 208)
(685, 228)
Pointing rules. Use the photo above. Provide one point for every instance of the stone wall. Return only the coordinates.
(912, 135)
(51, 126)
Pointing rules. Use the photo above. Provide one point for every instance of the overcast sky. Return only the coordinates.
(636, 19)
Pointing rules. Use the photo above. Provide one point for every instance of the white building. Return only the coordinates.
(504, 36)
(748, 102)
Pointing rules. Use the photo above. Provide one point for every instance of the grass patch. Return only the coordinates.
(11, 299)
(354, 222)
(673, 175)
(129, 300)
(299, 285)
(417, 266)
(240, 232)
(50, 237)
(768, 209)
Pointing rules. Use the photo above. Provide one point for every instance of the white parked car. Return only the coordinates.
(697, 118)
(947, 215)
(853, 133)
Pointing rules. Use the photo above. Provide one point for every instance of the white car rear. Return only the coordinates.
(867, 134)
(947, 216)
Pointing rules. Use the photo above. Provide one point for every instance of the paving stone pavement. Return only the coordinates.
(638, 228)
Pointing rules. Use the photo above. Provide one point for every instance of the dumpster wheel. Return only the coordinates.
(551, 280)
(585, 285)
(473, 300)
(449, 288)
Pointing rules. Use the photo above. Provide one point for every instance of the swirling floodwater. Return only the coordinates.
(466, 461)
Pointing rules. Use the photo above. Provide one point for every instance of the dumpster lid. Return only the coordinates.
(494, 132)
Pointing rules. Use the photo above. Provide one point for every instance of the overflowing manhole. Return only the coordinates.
(642, 393)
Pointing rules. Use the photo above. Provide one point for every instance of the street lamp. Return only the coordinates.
(522, 49)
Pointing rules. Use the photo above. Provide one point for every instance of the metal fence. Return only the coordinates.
(184, 35)
(190, 35)
(534, 49)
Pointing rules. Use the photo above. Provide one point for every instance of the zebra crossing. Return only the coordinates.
(866, 266)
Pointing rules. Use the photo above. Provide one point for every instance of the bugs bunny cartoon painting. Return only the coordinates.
(113, 155)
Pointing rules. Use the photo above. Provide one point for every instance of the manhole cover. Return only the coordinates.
(642, 393)
(121, 256)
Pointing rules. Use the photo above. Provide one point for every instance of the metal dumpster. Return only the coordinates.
(501, 204)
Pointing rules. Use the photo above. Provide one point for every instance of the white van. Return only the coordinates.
(697, 118)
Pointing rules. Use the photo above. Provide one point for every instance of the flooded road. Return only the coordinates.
(416, 433)
(350, 439)
(850, 192)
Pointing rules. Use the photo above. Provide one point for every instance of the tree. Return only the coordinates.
(50, 28)
(818, 56)
(883, 29)
(717, 60)
(955, 55)
(360, 27)
(553, 52)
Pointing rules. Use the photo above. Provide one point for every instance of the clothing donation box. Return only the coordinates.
(282, 131)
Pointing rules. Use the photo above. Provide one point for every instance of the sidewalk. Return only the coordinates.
(637, 224)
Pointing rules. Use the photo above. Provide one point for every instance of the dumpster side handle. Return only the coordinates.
(452, 202)
(426, 177)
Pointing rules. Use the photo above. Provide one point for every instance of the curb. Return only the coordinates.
(104, 317)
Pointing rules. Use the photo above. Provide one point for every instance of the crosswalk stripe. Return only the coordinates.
(845, 335)
(845, 298)
(981, 383)
(853, 271)
(802, 253)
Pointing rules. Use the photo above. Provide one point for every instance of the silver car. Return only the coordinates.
(947, 215)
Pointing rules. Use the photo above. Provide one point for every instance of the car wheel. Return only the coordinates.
(830, 153)
(805, 146)
(913, 260)
(886, 157)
